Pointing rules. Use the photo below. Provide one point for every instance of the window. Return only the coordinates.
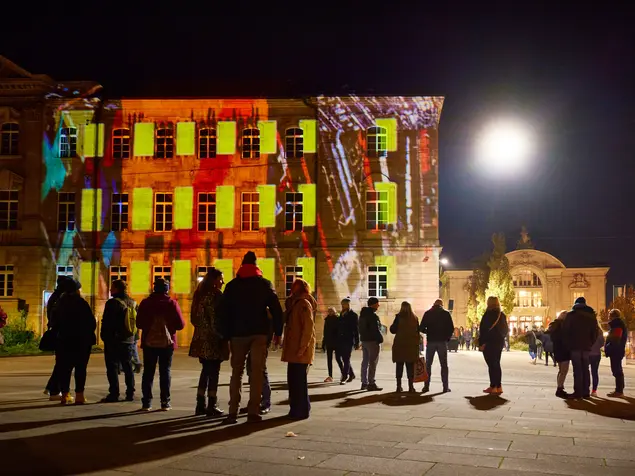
(250, 211)
(66, 211)
(294, 143)
(118, 272)
(68, 142)
(376, 210)
(65, 271)
(121, 143)
(377, 281)
(293, 212)
(10, 138)
(251, 144)
(163, 272)
(528, 299)
(8, 209)
(377, 142)
(206, 143)
(119, 212)
(165, 142)
(206, 211)
(163, 212)
(527, 279)
(577, 294)
(201, 271)
(291, 274)
(6, 280)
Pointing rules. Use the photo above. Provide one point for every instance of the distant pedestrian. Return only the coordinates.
(615, 350)
(547, 345)
(475, 336)
(159, 318)
(347, 339)
(530, 337)
(329, 342)
(561, 353)
(580, 332)
(467, 337)
(492, 340)
(595, 356)
(438, 326)
(372, 338)
(405, 347)
(461, 337)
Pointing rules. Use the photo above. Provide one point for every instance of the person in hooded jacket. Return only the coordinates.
(53, 385)
(159, 318)
(438, 326)
(74, 324)
(561, 354)
(347, 339)
(405, 347)
(372, 338)
(329, 342)
(492, 333)
(580, 330)
(298, 348)
(615, 350)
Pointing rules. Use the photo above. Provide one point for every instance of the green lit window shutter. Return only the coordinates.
(89, 277)
(391, 191)
(390, 124)
(143, 139)
(90, 221)
(89, 140)
(267, 197)
(268, 268)
(142, 201)
(182, 276)
(226, 137)
(268, 137)
(139, 278)
(309, 128)
(309, 205)
(185, 138)
(225, 206)
(226, 266)
(183, 207)
(390, 263)
(308, 271)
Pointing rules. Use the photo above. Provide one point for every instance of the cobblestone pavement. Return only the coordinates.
(527, 430)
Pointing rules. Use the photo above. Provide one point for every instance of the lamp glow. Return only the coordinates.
(504, 145)
(444, 261)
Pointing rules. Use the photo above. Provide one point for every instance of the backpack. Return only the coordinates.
(159, 336)
(129, 320)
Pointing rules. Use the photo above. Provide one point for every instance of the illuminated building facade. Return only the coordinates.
(341, 191)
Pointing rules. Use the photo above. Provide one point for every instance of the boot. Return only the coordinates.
(212, 408)
(411, 387)
(399, 387)
(200, 405)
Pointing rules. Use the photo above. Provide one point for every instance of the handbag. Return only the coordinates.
(500, 313)
(48, 341)
(421, 371)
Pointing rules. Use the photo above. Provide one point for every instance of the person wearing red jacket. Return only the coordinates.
(159, 318)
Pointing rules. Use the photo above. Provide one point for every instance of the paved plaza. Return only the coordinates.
(526, 431)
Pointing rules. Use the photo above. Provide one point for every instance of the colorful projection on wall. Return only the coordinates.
(225, 206)
(268, 137)
(185, 138)
(226, 132)
(181, 281)
(267, 208)
(139, 278)
(144, 139)
(91, 210)
(94, 136)
(183, 207)
(142, 209)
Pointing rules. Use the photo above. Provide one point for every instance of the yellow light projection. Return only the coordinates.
(268, 137)
(185, 138)
(267, 211)
(390, 262)
(144, 139)
(183, 207)
(89, 271)
(225, 206)
(268, 268)
(309, 128)
(308, 271)
(182, 280)
(226, 266)
(391, 190)
(390, 124)
(92, 132)
(142, 200)
(139, 278)
(89, 220)
(309, 205)
(226, 137)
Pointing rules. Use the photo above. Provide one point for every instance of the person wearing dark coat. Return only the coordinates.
(580, 331)
(405, 347)
(547, 346)
(492, 333)
(531, 339)
(329, 342)
(438, 327)
(561, 354)
(615, 349)
(347, 339)
(372, 338)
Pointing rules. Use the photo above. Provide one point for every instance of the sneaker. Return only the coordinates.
(594, 393)
(243, 411)
(80, 399)
(67, 399)
(328, 379)
(166, 407)
(231, 419)
(146, 408)
(426, 389)
(343, 382)
(130, 397)
(615, 395)
(447, 390)
(489, 390)
(264, 409)
(372, 387)
(109, 399)
(364, 386)
(254, 418)
(55, 398)
(350, 378)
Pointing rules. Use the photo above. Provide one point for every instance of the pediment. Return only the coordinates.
(10, 70)
(10, 180)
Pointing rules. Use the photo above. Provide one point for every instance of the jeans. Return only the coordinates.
(299, 403)
(468, 344)
(581, 375)
(66, 361)
(492, 355)
(266, 386)
(208, 381)
(329, 360)
(150, 358)
(345, 355)
(116, 353)
(533, 352)
(563, 370)
(410, 370)
(618, 371)
(539, 351)
(440, 348)
(256, 347)
(595, 367)
(135, 355)
(370, 358)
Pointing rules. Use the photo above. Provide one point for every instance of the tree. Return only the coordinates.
(626, 305)
(475, 287)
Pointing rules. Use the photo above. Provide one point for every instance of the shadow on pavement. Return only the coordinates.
(20, 402)
(487, 402)
(32, 407)
(624, 410)
(325, 397)
(105, 448)
(389, 399)
(279, 386)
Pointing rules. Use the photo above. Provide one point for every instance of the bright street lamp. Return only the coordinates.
(504, 145)
(444, 261)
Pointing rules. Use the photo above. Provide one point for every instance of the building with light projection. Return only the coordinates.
(341, 191)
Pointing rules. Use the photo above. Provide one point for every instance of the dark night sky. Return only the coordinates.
(568, 73)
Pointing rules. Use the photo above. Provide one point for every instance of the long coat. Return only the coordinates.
(298, 346)
(405, 347)
(207, 342)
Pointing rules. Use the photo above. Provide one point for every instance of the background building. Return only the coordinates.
(341, 191)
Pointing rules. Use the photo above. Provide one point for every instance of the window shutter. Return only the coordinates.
(268, 268)
(89, 271)
(182, 276)
(89, 140)
(142, 209)
(139, 278)
(309, 129)
(390, 124)
(308, 271)
(225, 206)
(185, 138)
(390, 262)
(183, 208)
(144, 139)
(226, 137)
(309, 206)
(226, 266)
(268, 137)
(90, 222)
(391, 189)
(267, 212)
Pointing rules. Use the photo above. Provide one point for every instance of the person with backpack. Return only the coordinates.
(615, 350)
(118, 330)
(159, 318)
